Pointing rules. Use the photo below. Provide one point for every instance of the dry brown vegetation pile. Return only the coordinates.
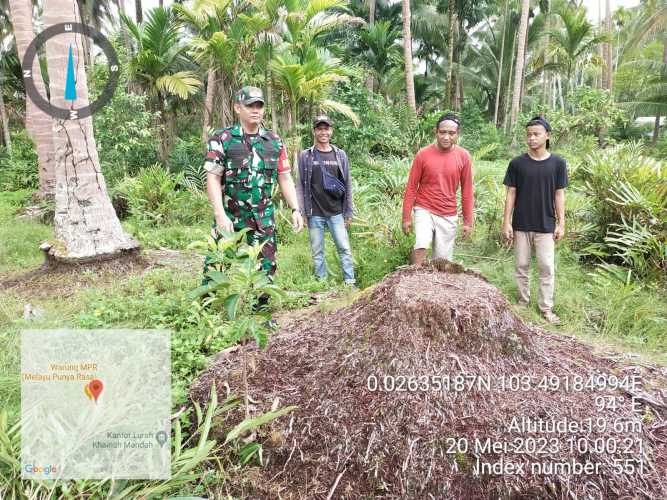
(356, 435)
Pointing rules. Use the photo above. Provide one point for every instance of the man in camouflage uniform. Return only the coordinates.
(243, 163)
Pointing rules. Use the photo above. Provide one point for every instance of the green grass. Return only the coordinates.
(608, 316)
(19, 240)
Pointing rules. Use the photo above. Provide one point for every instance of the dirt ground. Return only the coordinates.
(428, 386)
(65, 280)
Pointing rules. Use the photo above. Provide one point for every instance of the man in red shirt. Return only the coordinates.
(435, 176)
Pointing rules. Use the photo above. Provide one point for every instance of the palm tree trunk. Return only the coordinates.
(520, 59)
(599, 80)
(553, 92)
(456, 84)
(225, 103)
(510, 75)
(656, 129)
(451, 20)
(407, 54)
(500, 66)
(270, 94)
(609, 70)
(5, 125)
(37, 122)
(165, 125)
(272, 102)
(459, 93)
(523, 72)
(208, 105)
(560, 92)
(292, 117)
(126, 37)
(370, 81)
(138, 11)
(86, 225)
(545, 76)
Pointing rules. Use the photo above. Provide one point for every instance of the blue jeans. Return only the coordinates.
(336, 225)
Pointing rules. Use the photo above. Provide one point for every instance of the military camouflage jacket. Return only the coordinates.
(249, 167)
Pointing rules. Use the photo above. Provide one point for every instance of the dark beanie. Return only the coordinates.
(538, 120)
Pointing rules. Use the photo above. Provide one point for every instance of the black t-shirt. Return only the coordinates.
(536, 182)
(325, 205)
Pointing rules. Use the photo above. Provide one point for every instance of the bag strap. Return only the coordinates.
(318, 158)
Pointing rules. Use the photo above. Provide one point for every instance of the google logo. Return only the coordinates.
(36, 469)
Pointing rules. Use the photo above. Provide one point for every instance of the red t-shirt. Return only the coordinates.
(435, 177)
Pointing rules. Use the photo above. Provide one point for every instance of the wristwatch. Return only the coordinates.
(296, 210)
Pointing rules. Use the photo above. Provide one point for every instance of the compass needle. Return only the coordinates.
(70, 85)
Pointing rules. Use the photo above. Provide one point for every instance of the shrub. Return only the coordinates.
(490, 199)
(628, 208)
(659, 150)
(126, 136)
(593, 113)
(21, 169)
(477, 133)
(187, 157)
(386, 129)
(157, 196)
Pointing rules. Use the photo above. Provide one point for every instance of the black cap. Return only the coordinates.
(321, 119)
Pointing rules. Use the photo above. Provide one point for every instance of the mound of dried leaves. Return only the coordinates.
(365, 429)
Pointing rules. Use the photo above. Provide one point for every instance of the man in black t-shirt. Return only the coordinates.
(535, 213)
(324, 190)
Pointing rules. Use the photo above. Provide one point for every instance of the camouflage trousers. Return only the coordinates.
(256, 236)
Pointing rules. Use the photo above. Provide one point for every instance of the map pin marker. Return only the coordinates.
(161, 438)
(95, 387)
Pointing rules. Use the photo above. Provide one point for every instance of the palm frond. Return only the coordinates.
(183, 84)
(339, 107)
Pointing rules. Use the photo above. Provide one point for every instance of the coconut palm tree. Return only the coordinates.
(301, 68)
(486, 63)
(161, 67)
(430, 32)
(500, 65)
(226, 36)
(4, 121)
(37, 122)
(93, 13)
(86, 225)
(5, 53)
(646, 25)
(575, 39)
(407, 55)
(308, 80)
(204, 19)
(651, 100)
(520, 61)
